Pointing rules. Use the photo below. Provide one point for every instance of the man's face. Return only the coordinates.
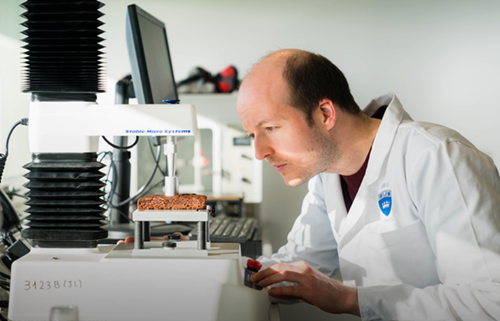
(281, 133)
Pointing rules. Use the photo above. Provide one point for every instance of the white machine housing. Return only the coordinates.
(75, 127)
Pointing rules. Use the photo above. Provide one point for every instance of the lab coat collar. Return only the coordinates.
(357, 217)
(385, 134)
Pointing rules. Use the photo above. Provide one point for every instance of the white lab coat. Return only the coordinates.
(421, 241)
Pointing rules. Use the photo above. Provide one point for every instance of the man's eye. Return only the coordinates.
(251, 136)
(270, 128)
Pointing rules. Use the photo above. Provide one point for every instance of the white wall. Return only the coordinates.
(439, 57)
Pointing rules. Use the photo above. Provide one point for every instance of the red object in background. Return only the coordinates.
(227, 80)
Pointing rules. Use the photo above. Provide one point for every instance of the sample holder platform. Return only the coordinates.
(142, 219)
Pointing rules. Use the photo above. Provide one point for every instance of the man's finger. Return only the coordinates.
(298, 267)
(129, 239)
(262, 275)
(285, 293)
(290, 276)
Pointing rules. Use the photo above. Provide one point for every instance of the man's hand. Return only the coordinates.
(312, 287)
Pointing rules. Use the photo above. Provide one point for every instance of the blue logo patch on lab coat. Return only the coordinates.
(385, 201)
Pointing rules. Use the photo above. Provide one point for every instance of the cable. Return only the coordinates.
(162, 181)
(112, 167)
(153, 154)
(3, 160)
(5, 287)
(104, 154)
(111, 171)
(10, 194)
(23, 121)
(121, 147)
(109, 201)
(10, 216)
(3, 157)
(122, 214)
(143, 188)
(154, 185)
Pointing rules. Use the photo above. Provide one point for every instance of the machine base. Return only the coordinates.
(112, 283)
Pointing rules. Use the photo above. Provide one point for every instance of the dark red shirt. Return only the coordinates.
(350, 184)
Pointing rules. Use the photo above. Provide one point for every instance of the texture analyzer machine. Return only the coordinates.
(67, 271)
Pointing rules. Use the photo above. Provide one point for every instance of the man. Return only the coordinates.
(407, 211)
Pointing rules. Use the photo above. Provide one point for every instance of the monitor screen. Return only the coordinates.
(149, 55)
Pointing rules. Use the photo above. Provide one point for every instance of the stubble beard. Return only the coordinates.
(327, 154)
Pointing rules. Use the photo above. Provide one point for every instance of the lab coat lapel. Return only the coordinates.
(357, 217)
(337, 211)
(385, 135)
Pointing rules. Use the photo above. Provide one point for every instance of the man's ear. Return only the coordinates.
(327, 112)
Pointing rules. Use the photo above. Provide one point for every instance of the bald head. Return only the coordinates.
(302, 79)
(265, 81)
(275, 59)
(267, 74)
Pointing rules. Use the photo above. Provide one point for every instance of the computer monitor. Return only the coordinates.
(152, 73)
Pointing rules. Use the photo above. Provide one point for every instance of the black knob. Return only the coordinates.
(174, 236)
(169, 244)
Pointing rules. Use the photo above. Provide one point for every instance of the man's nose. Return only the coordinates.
(263, 148)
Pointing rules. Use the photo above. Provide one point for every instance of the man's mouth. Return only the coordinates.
(280, 168)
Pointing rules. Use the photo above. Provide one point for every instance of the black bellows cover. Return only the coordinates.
(65, 200)
(63, 51)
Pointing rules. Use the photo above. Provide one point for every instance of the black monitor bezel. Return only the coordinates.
(133, 11)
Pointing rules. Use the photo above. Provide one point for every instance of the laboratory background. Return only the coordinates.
(441, 58)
